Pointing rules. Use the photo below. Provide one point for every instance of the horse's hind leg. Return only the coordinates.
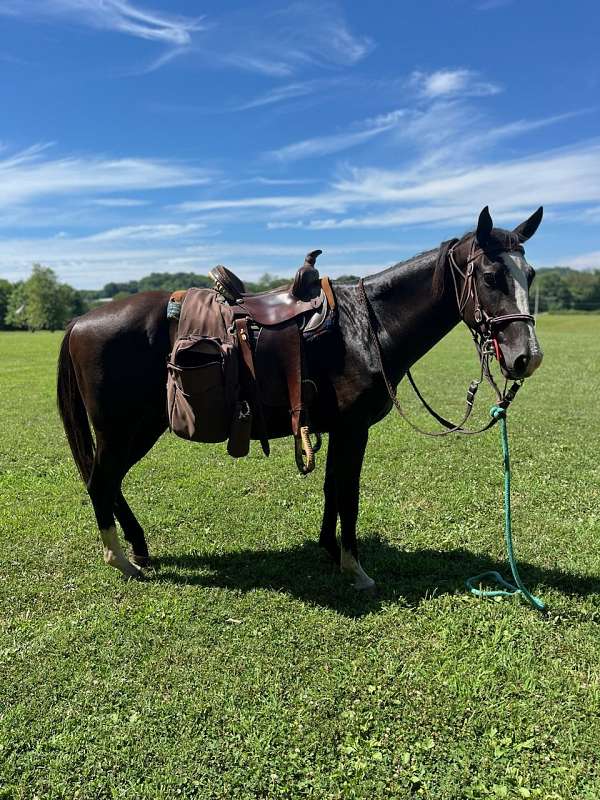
(133, 532)
(139, 445)
(104, 486)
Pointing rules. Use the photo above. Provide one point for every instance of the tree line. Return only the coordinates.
(43, 303)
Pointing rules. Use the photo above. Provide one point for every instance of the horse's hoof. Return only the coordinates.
(143, 562)
(351, 566)
(368, 587)
(132, 572)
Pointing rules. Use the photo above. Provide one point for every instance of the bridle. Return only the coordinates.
(484, 324)
(483, 330)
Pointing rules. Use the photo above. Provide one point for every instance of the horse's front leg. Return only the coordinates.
(349, 450)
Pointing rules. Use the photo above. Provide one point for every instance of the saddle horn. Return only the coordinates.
(307, 282)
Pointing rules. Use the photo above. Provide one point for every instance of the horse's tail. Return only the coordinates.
(72, 411)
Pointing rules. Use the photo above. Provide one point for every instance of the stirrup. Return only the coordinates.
(305, 452)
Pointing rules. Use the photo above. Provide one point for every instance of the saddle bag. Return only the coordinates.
(202, 388)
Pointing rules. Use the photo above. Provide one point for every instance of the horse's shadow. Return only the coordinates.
(404, 577)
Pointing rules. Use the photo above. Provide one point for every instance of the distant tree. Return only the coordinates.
(585, 288)
(171, 281)
(555, 294)
(111, 289)
(44, 308)
(5, 291)
(348, 279)
(72, 303)
(42, 303)
(266, 282)
(15, 312)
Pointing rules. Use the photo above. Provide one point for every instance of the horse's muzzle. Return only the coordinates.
(523, 365)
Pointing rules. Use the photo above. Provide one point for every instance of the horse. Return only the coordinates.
(112, 374)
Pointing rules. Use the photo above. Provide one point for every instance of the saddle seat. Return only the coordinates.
(273, 307)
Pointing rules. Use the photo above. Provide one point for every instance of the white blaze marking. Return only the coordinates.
(517, 266)
(114, 555)
(350, 564)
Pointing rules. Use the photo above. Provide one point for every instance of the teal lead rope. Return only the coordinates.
(500, 414)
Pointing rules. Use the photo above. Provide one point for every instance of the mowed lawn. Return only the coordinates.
(246, 667)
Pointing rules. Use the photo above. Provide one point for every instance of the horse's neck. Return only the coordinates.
(412, 318)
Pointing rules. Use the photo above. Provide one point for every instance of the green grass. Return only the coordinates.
(246, 667)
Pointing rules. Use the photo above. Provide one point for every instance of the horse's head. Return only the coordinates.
(495, 291)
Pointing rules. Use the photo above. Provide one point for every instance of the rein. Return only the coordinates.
(484, 340)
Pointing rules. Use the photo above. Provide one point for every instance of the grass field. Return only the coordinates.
(246, 667)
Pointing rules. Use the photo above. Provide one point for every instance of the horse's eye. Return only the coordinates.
(489, 278)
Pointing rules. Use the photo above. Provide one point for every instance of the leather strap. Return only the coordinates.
(504, 399)
(326, 286)
(249, 382)
(283, 346)
(484, 324)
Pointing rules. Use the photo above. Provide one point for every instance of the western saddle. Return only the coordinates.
(270, 328)
(276, 306)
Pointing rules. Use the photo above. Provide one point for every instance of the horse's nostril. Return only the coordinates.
(520, 364)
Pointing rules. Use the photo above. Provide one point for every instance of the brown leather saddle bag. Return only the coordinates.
(201, 388)
(202, 372)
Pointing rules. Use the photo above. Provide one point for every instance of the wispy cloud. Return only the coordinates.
(452, 82)
(334, 143)
(584, 261)
(277, 43)
(111, 15)
(266, 66)
(432, 195)
(512, 129)
(445, 129)
(555, 178)
(118, 16)
(570, 175)
(297, 203)
(31, 174)
(90, 262)
(592, 214)
(119, 202)
(284, 181)
(454, 133)
(279, 94)
(280, 42)
(147, 232)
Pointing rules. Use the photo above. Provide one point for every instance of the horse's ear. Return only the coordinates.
(484, 226)
(526, 229)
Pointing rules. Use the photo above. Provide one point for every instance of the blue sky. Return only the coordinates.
(173, 136)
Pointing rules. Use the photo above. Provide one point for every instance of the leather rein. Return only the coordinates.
(484, 339)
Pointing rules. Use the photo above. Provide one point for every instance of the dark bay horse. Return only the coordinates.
(112, 373)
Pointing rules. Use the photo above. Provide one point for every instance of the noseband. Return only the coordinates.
(483, 330)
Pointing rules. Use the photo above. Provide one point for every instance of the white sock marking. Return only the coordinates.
(349, 564)
(114, 555)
